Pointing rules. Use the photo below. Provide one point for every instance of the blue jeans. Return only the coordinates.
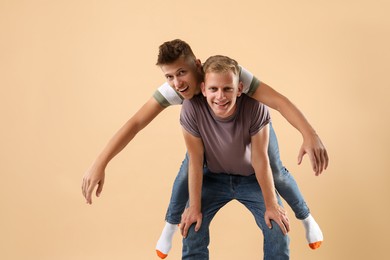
(219, 189)
(285, 184)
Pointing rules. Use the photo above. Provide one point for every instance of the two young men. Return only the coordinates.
(184, 75)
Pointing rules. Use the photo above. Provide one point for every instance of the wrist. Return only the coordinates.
(271, 204)
(100, 163)
(194, 207)
(309, 134)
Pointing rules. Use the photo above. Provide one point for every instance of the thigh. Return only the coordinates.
(214, 196)
(275, 243)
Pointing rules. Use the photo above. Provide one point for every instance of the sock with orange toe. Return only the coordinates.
(164, 243)
(313, 232)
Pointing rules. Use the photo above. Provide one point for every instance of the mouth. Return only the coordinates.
(222, 105)
(183, 89)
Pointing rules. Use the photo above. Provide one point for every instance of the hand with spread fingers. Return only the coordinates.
(278, 215)
(189, 217)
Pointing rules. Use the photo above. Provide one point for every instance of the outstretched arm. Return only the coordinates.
(95, 175)
(260, 163)
(312, 145)
(193, 213)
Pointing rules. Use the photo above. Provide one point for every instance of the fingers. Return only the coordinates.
(323, 154)
(314, 161)
(184, 229)
(84, 187)
(317, 153)
(198, 224)
(284, 224)
(89, 193)
(100, 188)
(268, 222)
(326, 159)
(300, 155)
(280, 217)
(185, 226)
(322, 160)
(87, 189)
(318, 158)
(187, 220)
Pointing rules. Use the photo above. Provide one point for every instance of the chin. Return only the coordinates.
(187, 96)
(222, 115)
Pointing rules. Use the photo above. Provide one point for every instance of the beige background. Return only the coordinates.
(72, 72)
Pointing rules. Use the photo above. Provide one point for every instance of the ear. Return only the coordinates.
(198, 63)
(240, 88)
(203, 88)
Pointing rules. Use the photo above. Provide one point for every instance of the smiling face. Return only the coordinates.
(184, 75)
(221, 90)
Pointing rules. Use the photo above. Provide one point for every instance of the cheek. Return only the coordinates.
(193, 79)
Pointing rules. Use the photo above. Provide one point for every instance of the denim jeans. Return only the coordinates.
(285, 184)
(219, 189)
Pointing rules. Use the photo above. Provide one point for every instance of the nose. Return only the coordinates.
(220, 94)
(177, 83)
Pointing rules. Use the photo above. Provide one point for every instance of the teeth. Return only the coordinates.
(182, 90)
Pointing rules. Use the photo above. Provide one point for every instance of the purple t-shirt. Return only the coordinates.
(227, 142)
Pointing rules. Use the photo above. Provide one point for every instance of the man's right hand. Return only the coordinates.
(189, 217)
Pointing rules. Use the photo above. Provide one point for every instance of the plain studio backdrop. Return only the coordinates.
(73, 72)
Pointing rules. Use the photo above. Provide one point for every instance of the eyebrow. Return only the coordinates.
(216, 86)
(168, 74)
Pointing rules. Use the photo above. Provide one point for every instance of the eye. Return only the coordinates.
(181, 73)
(169, 78)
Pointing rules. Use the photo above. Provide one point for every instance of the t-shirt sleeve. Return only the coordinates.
(250, 82)
(260, 118)
(188, 118)
(166, 96)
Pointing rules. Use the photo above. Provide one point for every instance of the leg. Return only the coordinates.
(248, 192)
(289, 190)
(284, 181)
(215, 194)
(178, 201)
(179, 196)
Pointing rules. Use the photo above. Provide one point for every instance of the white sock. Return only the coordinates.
(313, 232)
(164, 243)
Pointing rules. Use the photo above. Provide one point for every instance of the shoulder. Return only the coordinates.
(251, 105)
(249, 101)
(195, 102)
(166, 96)
(250, 82)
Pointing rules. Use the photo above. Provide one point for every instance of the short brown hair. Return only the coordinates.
(220, 63)
(170, 51)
